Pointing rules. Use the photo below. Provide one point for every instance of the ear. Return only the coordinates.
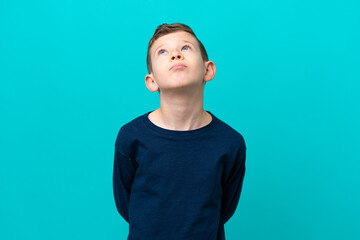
(210, 71)
(150, 83)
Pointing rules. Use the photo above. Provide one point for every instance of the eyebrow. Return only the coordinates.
(164, 44)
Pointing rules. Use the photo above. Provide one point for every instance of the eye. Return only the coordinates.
(186, 47)
(161, 51)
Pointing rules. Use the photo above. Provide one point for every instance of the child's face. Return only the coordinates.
(176, 48)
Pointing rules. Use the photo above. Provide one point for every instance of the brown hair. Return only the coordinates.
(164, 29)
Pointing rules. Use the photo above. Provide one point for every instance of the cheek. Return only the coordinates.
(156, 66)
(159, 69)
(200, 65)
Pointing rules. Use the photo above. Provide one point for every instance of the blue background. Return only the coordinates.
(72, 73)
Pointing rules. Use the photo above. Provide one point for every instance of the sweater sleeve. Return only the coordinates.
(232, 188)
(123, 175)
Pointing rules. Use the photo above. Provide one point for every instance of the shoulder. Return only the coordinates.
(127, 132)
(131, 127)
(232, 143)
(229, 135)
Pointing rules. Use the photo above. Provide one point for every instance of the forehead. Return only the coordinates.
(178, 36)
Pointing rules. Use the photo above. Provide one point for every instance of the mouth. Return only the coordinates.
(177, 66)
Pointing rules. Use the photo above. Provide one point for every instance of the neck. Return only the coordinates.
(182, 111)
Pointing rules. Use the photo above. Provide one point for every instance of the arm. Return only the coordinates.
(232, 187)
(123, 175)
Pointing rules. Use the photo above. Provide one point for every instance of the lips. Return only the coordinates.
(177, 66)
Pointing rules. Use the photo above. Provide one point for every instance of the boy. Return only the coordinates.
(178, 170)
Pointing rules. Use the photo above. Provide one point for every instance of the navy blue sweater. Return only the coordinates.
(177, 185)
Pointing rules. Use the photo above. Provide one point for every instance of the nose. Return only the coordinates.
(176, 55)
